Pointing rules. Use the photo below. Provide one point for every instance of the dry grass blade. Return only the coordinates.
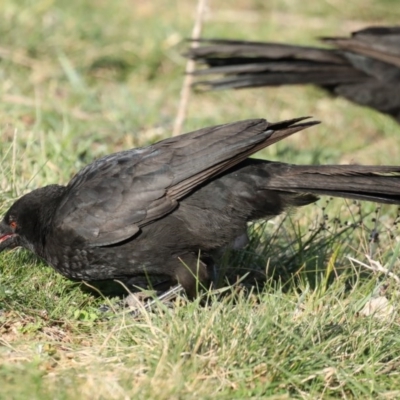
(190, 67)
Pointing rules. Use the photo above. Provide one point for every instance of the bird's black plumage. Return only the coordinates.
(145, 215)
(364, 68)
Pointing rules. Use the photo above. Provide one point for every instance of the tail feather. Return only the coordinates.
(252, 64)
(364, 68)
(373, 183)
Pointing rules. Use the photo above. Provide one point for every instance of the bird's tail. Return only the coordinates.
(361, 182)
(245, 64)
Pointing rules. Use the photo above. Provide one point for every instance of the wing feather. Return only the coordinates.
(111, 199)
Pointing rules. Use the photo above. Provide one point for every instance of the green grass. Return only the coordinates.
(80, 79)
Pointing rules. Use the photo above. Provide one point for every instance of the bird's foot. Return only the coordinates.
(139, 303)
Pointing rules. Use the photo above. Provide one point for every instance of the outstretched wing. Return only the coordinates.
(109, 200)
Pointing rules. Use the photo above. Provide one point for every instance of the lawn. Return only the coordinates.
(81, 79)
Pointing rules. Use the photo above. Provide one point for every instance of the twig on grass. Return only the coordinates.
(190, 66)
(376, 267)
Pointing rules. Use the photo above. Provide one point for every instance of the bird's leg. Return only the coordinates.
(224, 257)
(194, 273)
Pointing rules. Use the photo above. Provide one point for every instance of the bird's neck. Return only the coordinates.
(45, 216)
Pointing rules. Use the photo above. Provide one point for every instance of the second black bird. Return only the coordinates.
(364, 68)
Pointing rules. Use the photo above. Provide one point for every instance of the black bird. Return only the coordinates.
(364, 68)
(144, 216)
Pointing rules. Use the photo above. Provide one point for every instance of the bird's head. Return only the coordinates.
(27, 220)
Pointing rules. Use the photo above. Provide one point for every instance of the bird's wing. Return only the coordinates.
(109, 200)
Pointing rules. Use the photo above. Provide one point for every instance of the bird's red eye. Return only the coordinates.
(13, 224)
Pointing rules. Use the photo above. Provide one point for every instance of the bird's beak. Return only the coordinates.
(8, 238)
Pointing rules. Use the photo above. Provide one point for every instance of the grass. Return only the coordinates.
(80, 79)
